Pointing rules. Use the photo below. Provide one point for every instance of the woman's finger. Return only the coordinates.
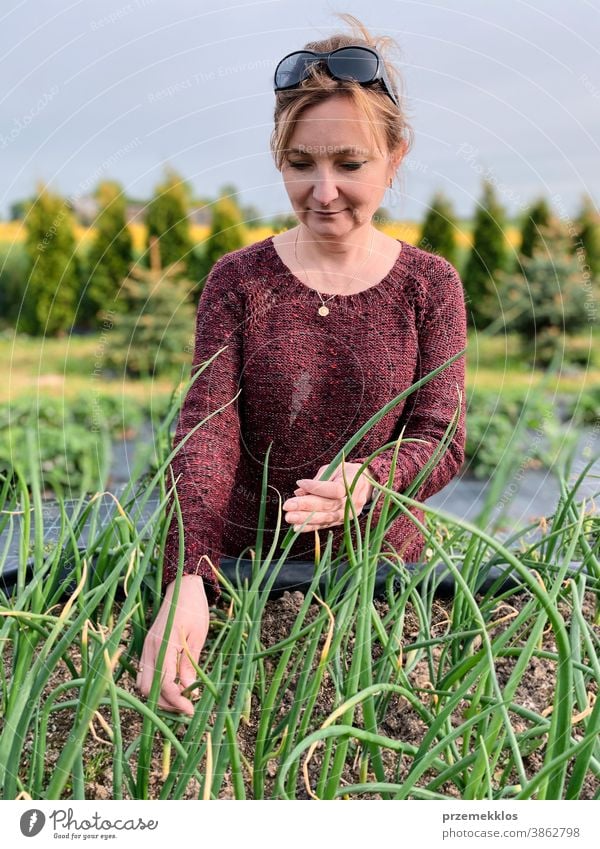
(187, 673)
(171, 688)
(184, 706)
(319, 520)
(310, 503)
(333, 489)
(146, 668)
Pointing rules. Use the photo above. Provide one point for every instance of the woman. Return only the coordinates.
(317, 328)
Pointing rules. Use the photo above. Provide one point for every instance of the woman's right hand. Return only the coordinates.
(190, 623)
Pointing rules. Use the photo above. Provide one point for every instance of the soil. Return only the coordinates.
(401, 722)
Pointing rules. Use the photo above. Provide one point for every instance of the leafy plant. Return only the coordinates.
(71, 440)
(491, 423)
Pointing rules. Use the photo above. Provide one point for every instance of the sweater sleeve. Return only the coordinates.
(442, 332)
(204, 468)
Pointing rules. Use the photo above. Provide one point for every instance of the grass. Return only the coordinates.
(313, 707)
(66, 366)
(56, 380)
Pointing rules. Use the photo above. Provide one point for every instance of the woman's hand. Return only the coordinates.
(190, 624)
(328, 498)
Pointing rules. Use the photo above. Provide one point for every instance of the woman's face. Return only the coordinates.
(334, 176)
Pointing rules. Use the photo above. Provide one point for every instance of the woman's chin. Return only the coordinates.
(339, 223)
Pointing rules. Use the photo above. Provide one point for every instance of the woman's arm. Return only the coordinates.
(205, 465)
(442, 332)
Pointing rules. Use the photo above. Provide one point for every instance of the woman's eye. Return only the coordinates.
(349, 166)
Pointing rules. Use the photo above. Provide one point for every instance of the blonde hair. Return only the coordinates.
(388, 124)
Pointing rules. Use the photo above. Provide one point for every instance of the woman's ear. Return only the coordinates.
(397, 156)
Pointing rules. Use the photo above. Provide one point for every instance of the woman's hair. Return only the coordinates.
(389, 126)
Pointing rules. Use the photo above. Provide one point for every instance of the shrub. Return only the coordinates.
(546, 299)
(155, 334)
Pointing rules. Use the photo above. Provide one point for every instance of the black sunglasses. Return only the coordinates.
(361, 64)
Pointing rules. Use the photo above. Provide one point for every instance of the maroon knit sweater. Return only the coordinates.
(307, 383)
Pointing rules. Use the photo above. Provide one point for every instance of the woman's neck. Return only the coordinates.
(333, 254)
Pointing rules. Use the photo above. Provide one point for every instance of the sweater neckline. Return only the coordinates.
(385, 286)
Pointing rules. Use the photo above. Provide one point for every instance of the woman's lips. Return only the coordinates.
(319, 212)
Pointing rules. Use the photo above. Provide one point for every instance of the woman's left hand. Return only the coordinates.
(327, 498)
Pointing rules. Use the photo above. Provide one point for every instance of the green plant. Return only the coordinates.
(153, 336)
(73, 660)
(492, 419)
(546, 300)
(13, 285)
(488, 255)
(227, 232)
(586, 241)
(71, 440)
(536, 217)
(167, 221)
(584, 408)
(53, 269)
(109, 257)
(438, 233)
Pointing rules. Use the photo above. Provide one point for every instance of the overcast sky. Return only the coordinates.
(103, 88)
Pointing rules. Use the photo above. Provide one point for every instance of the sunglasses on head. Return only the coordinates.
(361, 64)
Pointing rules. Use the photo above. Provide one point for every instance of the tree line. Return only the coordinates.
(543, 287)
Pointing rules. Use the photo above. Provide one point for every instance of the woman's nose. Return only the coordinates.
(325, 189)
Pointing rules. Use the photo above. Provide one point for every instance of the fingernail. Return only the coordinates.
(301, 482)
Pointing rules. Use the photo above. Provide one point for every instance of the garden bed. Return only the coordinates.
(400, 721)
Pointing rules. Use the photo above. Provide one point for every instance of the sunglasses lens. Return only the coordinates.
(291, 70)
(353, 63)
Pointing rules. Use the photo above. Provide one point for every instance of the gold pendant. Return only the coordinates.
(323, 310)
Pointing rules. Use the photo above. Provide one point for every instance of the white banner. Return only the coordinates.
(346, 823)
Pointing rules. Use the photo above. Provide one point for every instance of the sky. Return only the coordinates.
(95, 89)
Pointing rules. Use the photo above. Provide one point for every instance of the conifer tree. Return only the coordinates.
(438, 234)
(587, 240)
(537, 216)
(488, 255)
(111, 255)
(227, 233)
(167, 219)
(52, 266)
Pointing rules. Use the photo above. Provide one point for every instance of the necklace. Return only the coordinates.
(323, 310)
